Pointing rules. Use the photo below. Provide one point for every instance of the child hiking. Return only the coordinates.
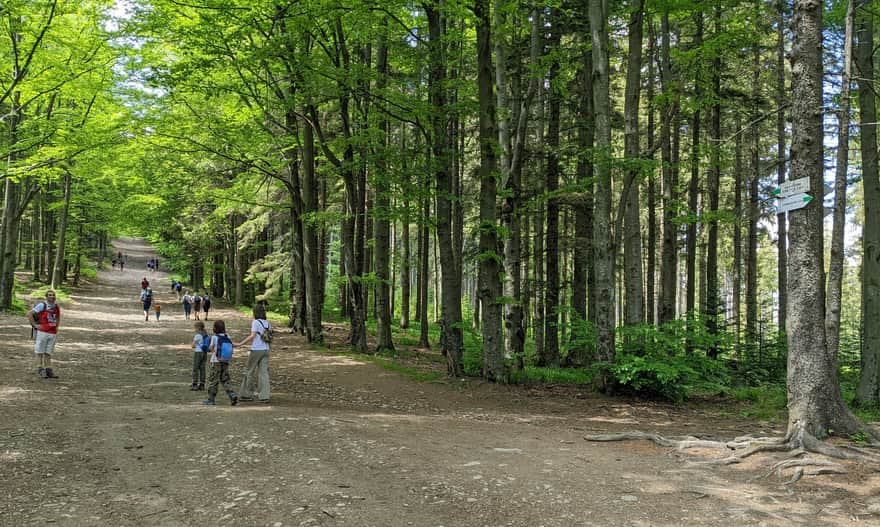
(147, 301)
(221, 353)
(200, 345)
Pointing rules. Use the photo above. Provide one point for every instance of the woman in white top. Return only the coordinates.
(258, 359)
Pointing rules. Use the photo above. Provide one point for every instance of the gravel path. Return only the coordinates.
(120, 440)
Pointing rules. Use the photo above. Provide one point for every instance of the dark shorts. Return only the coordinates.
(147, 304)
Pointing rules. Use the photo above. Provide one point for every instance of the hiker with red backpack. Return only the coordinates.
(44, 319)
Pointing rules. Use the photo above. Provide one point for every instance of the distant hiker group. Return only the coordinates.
(119, 260)
(153, 264)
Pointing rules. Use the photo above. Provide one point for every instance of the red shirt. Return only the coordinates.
(48, 318)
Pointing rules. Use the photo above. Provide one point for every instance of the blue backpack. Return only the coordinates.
(224, 348)
(206, 342)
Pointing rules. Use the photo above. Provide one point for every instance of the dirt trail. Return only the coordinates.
(120, 440)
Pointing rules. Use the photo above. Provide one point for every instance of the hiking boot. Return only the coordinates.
(49, 374)
(233, 399)
(209, 402)
(201, 386)
(193, 388)
(41, 372)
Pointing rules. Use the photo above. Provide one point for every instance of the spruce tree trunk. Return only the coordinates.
(422, 307)
(490, 258)
(781, 99)
(550, 353)
(651, 264)
(669, 256)
(602, 233)
(451, 334)
(582, 270)
(835, 264)
(634, 300)
(752, 211)
(815, 404)
(405, 256)
(868, 390)
(737, 229)
(694, 187)
(713, 299)
(382, 227)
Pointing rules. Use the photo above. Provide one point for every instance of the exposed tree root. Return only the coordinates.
(798, 442)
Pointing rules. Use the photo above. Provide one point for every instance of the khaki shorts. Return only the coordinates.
(45, 343)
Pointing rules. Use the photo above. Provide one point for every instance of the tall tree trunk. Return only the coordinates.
(452, 338)
(311, 257)
(550, 355)
(58, 271)
(581, 355)
(755, 177)
(651, 264)
(634, 301)
(602, 233)
(424, 238)
(781, 100)
(694, 185)
(382, 228)
(669, 256)
(713, 299)
(868, 390)
(815, 404)
(738, 175)
(835, 265)
(405, 252)
(489, 258)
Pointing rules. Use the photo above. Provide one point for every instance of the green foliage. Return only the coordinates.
(765, 402)
(534, 374)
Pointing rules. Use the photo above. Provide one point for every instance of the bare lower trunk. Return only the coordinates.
(814, 400)
(602, 232)
(835, 265)
(58, 270)
(868, 390)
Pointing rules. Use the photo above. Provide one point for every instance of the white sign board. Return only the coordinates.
(790, 203)
(792, 186)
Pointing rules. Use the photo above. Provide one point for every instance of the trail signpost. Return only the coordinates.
(795, 202)
(792, 195)
(792, 187)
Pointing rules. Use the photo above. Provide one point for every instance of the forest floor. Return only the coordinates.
(120, 440)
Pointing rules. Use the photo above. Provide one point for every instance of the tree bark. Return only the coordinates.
(602, 233)
(634, 301)
(713, 300)
(550, 353)
(815, 404)
(669, 256)
(752, 211)
(490, 258)
(781, 99)
(311, 249)
(835, 264)
(382, 223)
(694, 185)
(868, 390)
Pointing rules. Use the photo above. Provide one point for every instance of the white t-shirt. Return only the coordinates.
(258, 326)
(197, 342)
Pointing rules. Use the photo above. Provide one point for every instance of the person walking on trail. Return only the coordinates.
(201, 344)
(145, 283)
(197, 305)
(147, 301)
(158, 310)
(221, 353)
(45, 318)
(257, 369)
(206, 304)
(187, 305)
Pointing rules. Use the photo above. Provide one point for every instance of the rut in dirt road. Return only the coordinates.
(120, 440)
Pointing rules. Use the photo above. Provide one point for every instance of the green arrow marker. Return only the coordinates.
(808, 199)
(776, 191)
